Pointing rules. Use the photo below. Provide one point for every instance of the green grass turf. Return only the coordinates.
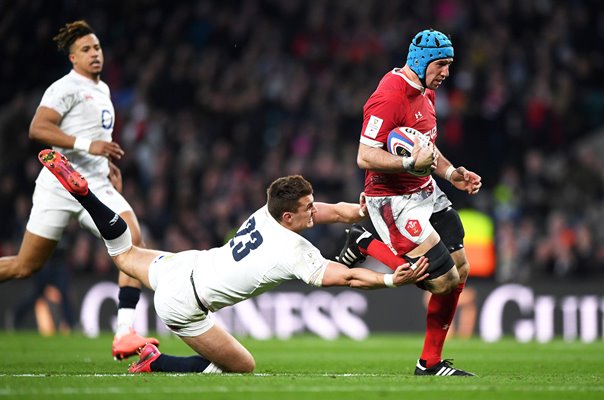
(32, 367)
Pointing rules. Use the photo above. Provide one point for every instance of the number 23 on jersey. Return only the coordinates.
(243, 246)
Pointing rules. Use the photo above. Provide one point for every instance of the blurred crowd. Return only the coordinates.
(215, 99)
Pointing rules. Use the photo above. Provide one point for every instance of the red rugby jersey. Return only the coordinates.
(396, 102)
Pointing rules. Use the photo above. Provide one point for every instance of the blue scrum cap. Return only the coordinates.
(427, 46)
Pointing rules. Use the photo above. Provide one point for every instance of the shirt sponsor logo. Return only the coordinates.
(373, 127)
(106, 119)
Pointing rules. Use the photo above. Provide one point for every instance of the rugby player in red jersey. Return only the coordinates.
(408, 210)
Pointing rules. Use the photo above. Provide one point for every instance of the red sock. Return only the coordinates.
(381, 252)
(441, 310)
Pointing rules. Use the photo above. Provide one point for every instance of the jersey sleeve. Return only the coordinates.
(379, 118)
(59, 98)
(308, 264)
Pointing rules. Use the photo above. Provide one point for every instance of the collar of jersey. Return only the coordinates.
(82, 78)
(274, 221)
(399, 72)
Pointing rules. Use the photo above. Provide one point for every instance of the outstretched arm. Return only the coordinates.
(338, 274)
(347, 213)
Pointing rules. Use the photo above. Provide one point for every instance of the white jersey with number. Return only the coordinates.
(86, 111)
(262, 255)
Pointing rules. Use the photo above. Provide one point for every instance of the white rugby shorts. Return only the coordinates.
(441, 201)
(175, 302)
(52, 208)
(402, 222)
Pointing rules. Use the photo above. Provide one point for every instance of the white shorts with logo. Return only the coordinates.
(53, 206)
(175, 302)
(403, 222)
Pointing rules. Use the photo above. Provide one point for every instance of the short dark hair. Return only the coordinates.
(284, 194)
(71, 32)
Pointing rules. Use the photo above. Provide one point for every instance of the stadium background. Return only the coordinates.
(215, 99)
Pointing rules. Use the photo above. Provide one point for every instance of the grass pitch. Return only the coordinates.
(33, 367)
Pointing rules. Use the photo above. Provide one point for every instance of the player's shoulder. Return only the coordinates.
(392, 80)
(392, 86)
(66, 83)
(61, 88)
(61, 82)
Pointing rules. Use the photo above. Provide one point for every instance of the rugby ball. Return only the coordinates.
(401, 142)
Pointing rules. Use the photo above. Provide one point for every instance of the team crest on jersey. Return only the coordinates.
(373, 127)
(413, 227)
(312, 259)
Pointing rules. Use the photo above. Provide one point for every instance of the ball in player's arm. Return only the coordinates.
(408, 209)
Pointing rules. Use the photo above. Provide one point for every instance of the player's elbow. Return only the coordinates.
(343, 277)
(362, 162)
(356, 281)
(35, 131)
(365, 155)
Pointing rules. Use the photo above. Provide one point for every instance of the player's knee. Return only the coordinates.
(120, 260)
(23, 273)
(249, 366)
(463, 269)
(444, 284)
(447, 286)
(441, 265)
(244, 365)
(25, 270)
(125, 262)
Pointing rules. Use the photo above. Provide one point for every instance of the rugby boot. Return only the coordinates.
(61, 168)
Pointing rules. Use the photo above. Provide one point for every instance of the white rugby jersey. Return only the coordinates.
(86, 110)
(262, 255)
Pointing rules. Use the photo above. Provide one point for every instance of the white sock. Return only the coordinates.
(125, 321)
(212, 369)
(119, 245)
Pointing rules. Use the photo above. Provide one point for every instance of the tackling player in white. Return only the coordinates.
(266, 250)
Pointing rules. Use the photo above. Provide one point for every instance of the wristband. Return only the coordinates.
(389, 280)
(408, 163)
(449, 172)
(82, 144)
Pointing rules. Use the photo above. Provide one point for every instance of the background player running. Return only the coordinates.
(76, 115)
